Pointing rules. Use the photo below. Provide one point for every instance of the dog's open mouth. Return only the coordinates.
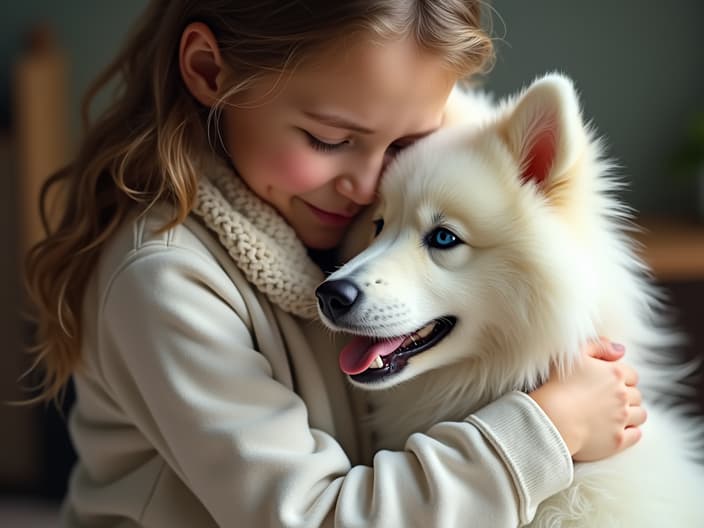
(367, 359)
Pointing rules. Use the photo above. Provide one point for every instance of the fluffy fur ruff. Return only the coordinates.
(511, 227)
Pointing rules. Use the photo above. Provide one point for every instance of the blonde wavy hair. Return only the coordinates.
(139, 151)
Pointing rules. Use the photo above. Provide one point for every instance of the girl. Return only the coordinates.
(177, 289)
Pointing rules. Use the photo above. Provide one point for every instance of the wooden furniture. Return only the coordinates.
(674, 248)
(40, 96)
(37, 145)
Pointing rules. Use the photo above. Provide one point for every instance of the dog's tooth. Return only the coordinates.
(377, 363)
(410, 340)
(418, 336)
(425, 331)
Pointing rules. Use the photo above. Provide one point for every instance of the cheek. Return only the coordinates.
(300, 171)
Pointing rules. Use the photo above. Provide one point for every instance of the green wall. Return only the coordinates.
(638, 63)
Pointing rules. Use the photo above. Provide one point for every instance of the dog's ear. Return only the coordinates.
(468, 106)
(544, 130)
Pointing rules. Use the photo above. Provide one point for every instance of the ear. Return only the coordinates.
(200, 63)
(545, 131)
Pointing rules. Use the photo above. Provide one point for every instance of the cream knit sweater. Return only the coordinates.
(259, 241)
(208, 397)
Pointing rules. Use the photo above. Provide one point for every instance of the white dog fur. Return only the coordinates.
(542, 262)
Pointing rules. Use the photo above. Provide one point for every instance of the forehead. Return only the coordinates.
(373, 82)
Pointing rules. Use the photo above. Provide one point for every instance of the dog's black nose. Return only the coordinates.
(336, 297)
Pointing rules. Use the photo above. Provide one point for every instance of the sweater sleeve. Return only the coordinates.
(185, 370)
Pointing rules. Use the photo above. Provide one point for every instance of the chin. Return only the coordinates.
(321, 238)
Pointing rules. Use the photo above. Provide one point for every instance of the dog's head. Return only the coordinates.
(473, 251)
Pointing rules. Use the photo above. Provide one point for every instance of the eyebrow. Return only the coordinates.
(338, 122)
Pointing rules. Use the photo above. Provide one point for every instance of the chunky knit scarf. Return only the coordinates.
(259, 241)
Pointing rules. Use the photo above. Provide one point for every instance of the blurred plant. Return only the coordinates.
(688, 159)
(687, 162)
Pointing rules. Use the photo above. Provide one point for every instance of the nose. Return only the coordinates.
(360, 185)
(336, 297)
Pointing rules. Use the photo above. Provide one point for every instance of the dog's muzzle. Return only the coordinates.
(368, 358)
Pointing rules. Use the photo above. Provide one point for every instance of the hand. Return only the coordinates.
(596, 407)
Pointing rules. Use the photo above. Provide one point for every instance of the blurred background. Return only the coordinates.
(638, 65)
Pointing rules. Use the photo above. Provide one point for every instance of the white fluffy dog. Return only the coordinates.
(500, 247)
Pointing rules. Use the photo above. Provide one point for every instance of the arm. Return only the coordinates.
(185, 368)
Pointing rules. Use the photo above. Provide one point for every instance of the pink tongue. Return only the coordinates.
(359, 353)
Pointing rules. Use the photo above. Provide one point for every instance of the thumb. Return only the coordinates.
(606, 350)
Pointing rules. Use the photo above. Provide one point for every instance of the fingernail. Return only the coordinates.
(618, 347)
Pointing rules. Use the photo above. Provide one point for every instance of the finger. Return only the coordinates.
(636, 416)
(634, 396)
(630, 376)
(631, 435)
(605, 349)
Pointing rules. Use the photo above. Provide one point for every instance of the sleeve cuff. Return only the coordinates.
(530, 446)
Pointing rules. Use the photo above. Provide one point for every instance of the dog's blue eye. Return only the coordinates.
(378, 226)
(442, 238)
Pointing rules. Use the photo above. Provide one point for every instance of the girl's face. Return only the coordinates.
(314, 147)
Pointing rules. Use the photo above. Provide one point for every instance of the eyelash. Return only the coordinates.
(322, 146)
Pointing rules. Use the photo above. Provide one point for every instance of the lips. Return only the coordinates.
(331, 218)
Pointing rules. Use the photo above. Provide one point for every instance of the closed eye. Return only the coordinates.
(322, 146)
(396, 147)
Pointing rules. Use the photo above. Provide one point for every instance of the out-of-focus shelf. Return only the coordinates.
(673, 248)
